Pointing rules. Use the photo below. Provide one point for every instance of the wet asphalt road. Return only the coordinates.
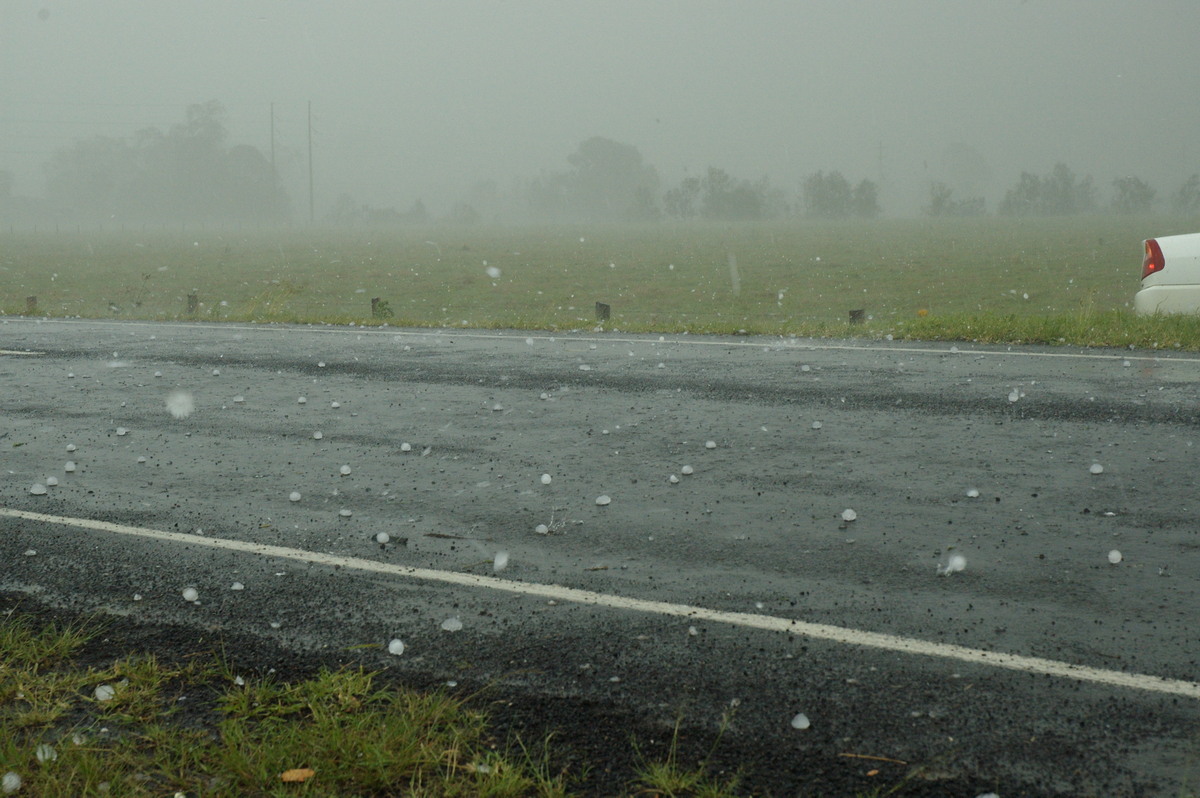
(801, 431)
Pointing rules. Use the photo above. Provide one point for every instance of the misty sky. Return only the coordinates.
(422, 99)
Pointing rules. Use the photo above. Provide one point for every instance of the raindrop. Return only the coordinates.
(849, 515)
(603, 500)
(546, 479)
(190, 594)
(500, 562)
(344, 470)
(396, 646)
(800, 721)
(180, 404)
(1096, 468)
(451, 625)
(1115, 557)
(294, 496)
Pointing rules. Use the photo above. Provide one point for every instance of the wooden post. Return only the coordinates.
(31, 305)
(193, 303)
(857, 316)
(603, 311)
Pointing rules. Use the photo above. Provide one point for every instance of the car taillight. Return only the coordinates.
(1153, 260)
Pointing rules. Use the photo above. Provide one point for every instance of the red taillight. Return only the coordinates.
(1153, 260)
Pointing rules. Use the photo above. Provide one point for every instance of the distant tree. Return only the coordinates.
(827, 196)
(611, 182)
(864, 201)
(185, 174)
(726, 197)
(1132, 195)
(1187, 199)
(1058, 194)
(941, 203)
(681, 202)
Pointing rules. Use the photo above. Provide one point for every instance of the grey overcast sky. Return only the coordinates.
(421, 99)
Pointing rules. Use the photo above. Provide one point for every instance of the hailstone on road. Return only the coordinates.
(181, 404)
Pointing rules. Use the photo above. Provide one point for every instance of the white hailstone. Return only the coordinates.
(301, 401)
(1115, 557)
(335, 405)
(30, 552)
(955, 563)
(710, 444)
(190, 594)
(973, 493)
(816, 425)
(1014, 395)
(529, 342)
(294, 496)
(38, 489)
(51, 482)
(237, 586)
(493, 272)
(70, 447)
(546, 479)
(544, 396)
(104, 692)
(406, 447)
(122, 431)
(320, 364)
(674, 480)
(45, 753)
(693, 631)
(451, 625)
(988, 795)
(158, 374)
(496, 408)
(10, 782)
(542, 529)
(216, 372)
(849, 515)
(345, 513)
(687, 469)
(276, 625)
(662, 365)
(141, 458)
(137, 596)
(344, 470)
(800, 721)
(1126, 363)
(954, 350)
(70, 375)
(806, 367)
(69, 466)
(180, 404)
(382, 538)
(500, 562)
(238, 399)
(603, 500)
(318, 435)
(396, 646)
(584, 367)
(1096, 468)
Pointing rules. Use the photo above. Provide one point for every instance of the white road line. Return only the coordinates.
(837, 634)
(759, 343)
(15, 352)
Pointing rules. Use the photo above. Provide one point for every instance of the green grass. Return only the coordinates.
(1050, 281)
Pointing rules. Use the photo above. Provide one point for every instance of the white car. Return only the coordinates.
(1170, 275)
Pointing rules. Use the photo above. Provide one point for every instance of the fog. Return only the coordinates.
(429, 100)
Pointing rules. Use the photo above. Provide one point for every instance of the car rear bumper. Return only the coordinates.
(1167, 299)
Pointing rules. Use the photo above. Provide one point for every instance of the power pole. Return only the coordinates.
(273, 173)
(311, 211)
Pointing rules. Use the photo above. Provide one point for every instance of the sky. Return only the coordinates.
(424, 99)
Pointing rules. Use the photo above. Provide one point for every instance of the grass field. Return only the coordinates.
(1068, 280)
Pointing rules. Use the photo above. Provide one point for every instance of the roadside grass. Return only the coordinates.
(1047, 281)
(142, 727)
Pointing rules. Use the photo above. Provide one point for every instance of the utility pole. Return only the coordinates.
(311, 212)
(273, 173)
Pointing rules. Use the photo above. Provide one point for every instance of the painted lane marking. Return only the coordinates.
(836, 634)
(15, 352)
(760, 343)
